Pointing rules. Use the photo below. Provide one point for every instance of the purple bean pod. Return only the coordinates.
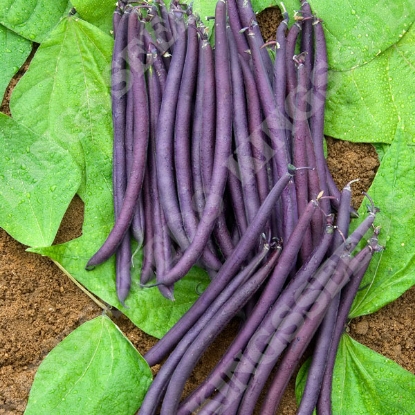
(260, 152)
(234, 189)
(307, 39)
(116, 18)
(158, 64)
(241, 135)
(318, 100)
(165, 20)
(135, 51)
(123, 269)
(317, 226)
(160, 31)
(301, 134)
(236, 26)
(141, 129)
(147, 266)
(197, 135)
(119, 104)
(291, 81)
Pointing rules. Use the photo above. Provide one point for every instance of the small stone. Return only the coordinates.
(361, 327)
(397, 350)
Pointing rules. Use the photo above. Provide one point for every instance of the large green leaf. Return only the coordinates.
(365, 104)
(366, 383)
(32, 19)
(14, 50)
(97, 12)
(65, 93)
(38, 179)
(358, 30)
(94, 370)
(392, 271)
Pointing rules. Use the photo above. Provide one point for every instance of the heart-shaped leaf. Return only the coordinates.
(366, 104)
(94, 370)
(366, 383)
(65, 93)
(38, 179)
(392, 271)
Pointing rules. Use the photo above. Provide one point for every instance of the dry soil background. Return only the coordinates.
(39, 305)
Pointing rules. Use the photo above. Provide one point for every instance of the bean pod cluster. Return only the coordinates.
(219, 162)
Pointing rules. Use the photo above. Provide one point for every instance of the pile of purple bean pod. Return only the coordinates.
(219, 162)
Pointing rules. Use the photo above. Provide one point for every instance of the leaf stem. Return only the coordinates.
(84, 290)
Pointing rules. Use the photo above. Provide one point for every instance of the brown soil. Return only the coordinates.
(40, 305)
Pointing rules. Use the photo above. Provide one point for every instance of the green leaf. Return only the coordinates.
(32, 19)
(366, 383)
(94, 370)
(354, 111)
(358, 30)
(97, 12)
(65, 93)
(14, 50)
(38, 179)
(145, 307)
(392, 271)
(365, 104)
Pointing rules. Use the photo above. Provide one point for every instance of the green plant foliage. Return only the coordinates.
(392, 271)
(97, 12)
(357, 31)
(65, 95)
(38, 179)
(94, 370)
(32, 19)
(14, 50)
(366, 383)
(366, 104)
